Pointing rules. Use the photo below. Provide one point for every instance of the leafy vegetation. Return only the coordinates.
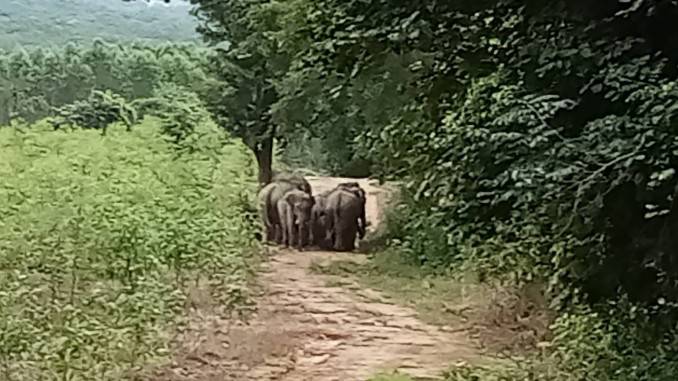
(37, 23)
(34, 82)
(102, 241)
(536, 141)
(99, 111)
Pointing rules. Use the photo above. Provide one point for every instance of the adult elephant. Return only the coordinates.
(269, 196)
(345, 210)
(294, 210)
(356, 189)
(294, 178)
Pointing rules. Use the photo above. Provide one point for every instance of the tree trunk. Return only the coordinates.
(264, 155)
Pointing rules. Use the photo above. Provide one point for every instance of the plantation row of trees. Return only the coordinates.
(33, 82)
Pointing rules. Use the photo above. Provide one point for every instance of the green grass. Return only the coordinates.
(438, 300)
(103, 239)
(453, 301)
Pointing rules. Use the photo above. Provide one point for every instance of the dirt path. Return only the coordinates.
(306, 329)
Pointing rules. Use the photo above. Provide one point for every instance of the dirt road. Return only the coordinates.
(308, 329)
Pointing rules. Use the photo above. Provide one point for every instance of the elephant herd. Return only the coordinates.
(293, 216)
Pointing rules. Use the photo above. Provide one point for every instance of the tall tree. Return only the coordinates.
(244, 65)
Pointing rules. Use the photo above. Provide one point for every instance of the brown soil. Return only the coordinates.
(306, 329)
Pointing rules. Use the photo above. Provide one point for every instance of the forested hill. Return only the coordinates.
(46, 22)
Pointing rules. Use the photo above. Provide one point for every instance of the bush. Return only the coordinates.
(98, 111)
(504, 190)
(101, 238)
(183, 118)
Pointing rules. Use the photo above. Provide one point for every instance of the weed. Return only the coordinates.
(103, 241)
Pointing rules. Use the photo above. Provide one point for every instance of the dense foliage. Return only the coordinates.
(34, 23)
(537, 142)
(98, 111)
(102, 241)
(33, 82)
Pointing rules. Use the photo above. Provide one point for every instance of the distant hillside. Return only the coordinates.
(47, 22)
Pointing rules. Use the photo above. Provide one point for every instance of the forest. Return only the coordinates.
(532, 145)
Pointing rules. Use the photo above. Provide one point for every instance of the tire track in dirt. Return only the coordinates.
(305, 329)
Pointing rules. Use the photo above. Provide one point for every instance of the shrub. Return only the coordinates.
(101, 239)
(98, 111)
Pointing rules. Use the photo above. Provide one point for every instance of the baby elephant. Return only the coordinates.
(294, 211)
(319, 233)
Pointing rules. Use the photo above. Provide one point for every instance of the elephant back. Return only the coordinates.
(344, 202)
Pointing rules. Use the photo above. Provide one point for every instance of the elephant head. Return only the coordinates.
(301, 204)
(295, 214)
(296, 179)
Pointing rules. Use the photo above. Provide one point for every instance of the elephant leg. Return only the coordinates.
(289, 221)
(350, 237)
(338, 236)
(282, 227)
(301, 231)
(335, 229)
(331, 239)
(362, 222)
(307, 235)
(324, 237)
(277, 234)
(271, 233)
(303, 235)
(294, 234)
(283, 235)
(315, 228)
(311, 233)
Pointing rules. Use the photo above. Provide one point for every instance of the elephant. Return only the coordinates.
(294, 210)
(269, 196)
(319, 233)
(293, 178)
(344, 211)
(355, 188)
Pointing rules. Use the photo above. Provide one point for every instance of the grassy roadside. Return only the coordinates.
(438, 300)
(104, 243)
(497, 318)
(505, 323)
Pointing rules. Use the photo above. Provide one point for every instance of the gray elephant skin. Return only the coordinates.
(269, 196)
(355, 188)
(293, 178)
(320, 234)
(294, 211)
(345, 211)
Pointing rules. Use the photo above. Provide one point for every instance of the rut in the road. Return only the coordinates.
(305, 329)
